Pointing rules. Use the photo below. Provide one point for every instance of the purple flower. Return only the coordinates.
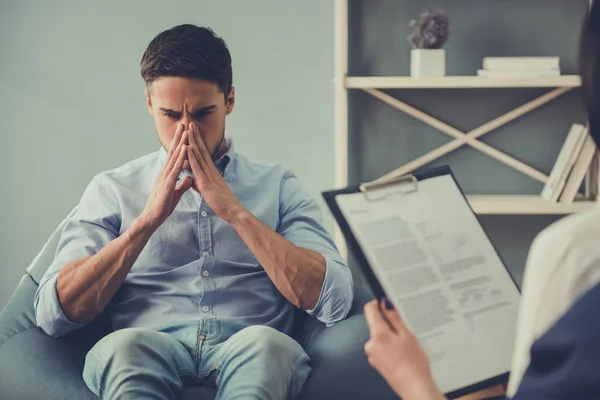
(430, 31)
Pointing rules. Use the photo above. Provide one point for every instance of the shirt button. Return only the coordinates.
(205, 273)
(205, 308)
(204, 214)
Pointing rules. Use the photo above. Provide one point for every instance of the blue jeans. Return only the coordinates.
(256, 362)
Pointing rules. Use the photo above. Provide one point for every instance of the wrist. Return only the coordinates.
(422, 390)
(143, 225)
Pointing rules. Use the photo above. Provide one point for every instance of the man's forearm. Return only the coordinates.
(298, 273)
(86, 286)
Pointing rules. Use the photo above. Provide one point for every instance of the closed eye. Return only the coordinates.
(196, 115)
(201, 114)
(172, 114)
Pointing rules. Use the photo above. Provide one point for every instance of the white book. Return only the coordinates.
(564, 163)
(591, 179)
(579, 170)
(521, 63)
(518, 74)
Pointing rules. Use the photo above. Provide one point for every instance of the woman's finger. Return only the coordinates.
(378, 328)
(393, 317)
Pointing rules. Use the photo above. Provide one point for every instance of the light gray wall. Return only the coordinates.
(72, 104)
(71, 99)
(382, 138)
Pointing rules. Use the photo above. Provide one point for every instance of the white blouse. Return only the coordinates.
(563, 264)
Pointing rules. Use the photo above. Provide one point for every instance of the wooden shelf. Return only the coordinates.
(458, 82)
(524, 204)
(375, 86)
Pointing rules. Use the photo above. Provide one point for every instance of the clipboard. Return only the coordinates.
(406, 185)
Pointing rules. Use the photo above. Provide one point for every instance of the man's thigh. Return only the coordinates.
(256, 349)
(139, 351)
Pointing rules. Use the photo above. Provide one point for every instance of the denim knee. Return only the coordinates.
(119, 348)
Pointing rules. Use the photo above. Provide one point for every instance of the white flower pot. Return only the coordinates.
(427, 62)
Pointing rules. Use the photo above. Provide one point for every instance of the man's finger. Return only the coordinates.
(174, 151)
(393, 317)
(203, 153)
(183, 186)
(174, 160)
(195, 150)
(175, 140)
(194, 165)
(178, 164)
(378, 328)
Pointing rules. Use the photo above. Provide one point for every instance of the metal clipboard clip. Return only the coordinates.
(406, 184)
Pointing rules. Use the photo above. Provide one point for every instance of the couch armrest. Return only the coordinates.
(340, 366)
(18, 315)
(340, 369)
(32, 364)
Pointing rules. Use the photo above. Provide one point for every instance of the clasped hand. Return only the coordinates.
(188, 144)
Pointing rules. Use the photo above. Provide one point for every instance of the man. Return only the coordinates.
(200, 284)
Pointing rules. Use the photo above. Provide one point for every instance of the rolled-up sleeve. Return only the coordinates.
(301, 224)
(94, 224)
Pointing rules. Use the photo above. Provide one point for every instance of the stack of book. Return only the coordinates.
(571, 166)
(520, 67)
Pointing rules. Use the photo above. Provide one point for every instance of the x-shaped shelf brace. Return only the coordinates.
(469, 138)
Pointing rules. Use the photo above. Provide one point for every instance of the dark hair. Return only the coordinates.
(188, 51)
(589, 69)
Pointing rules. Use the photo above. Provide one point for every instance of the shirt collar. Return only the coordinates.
(221, 163)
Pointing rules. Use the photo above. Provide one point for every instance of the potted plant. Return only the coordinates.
(428, 34)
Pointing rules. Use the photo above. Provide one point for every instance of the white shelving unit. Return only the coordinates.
(481, 204)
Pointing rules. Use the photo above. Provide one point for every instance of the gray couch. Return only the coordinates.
(36, 366)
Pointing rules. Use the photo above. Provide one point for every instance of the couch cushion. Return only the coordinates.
(35, 366)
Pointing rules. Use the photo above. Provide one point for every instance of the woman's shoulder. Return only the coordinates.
(576, 234)
(563, 263)
(569, 251)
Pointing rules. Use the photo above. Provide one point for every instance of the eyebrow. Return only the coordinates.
(202, 110)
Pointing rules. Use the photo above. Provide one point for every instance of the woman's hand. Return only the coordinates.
(395, 352)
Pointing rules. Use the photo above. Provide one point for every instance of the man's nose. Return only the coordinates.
(185, 120)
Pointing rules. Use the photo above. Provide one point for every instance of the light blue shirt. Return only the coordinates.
(195, 265)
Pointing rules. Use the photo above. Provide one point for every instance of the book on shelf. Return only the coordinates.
(591, 179)
(579, 170)
(520, 67)
(564, 163)
(518, 74)
(521, 63)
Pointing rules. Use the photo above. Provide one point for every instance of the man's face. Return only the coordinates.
(175, 100)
